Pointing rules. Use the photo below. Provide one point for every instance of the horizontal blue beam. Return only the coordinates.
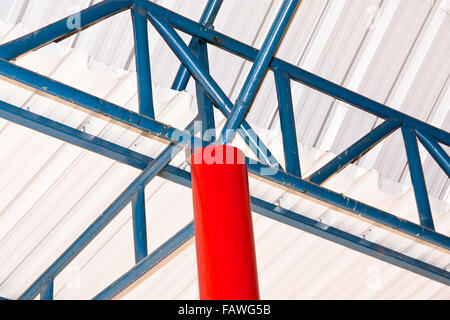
(297, 74)
(62, 28)
(258, 70)
(436, 151)
(182, 177)
(355, 151)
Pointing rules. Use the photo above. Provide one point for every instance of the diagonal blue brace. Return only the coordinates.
(355, 151)
(436, 151)
(142, 55)
(62, 28)
(259, 68)
(287, 122)
(207, 19)
(417, 178)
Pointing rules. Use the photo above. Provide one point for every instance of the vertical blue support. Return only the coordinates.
(205, 106)
(139, 225)
(47, 290)
(436, 151)
(209, 15)
(287, 121)
(259, 68)
(142, 55)
(355, 151)
(417, 178)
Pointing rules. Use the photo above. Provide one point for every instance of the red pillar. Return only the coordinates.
(223, 225)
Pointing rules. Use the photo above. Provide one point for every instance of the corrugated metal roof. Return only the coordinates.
(393, 51)
(51, 191)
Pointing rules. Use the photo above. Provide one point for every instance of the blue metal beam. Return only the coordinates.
(182, 177)
(207, 19)
(105, 218)
(258, 70)
(62, 28)
(209, 85)
(142, 55)
(297, 74)
(205, 106)
(418, 180)
(436, 151)
(287, 122)
(139, 225)
(46, 291)
(355, 151)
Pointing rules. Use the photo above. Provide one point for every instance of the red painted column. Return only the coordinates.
(223, 225)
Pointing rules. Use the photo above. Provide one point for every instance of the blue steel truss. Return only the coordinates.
(194, 58)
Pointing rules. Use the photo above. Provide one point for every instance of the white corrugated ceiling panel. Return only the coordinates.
(51, 191)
